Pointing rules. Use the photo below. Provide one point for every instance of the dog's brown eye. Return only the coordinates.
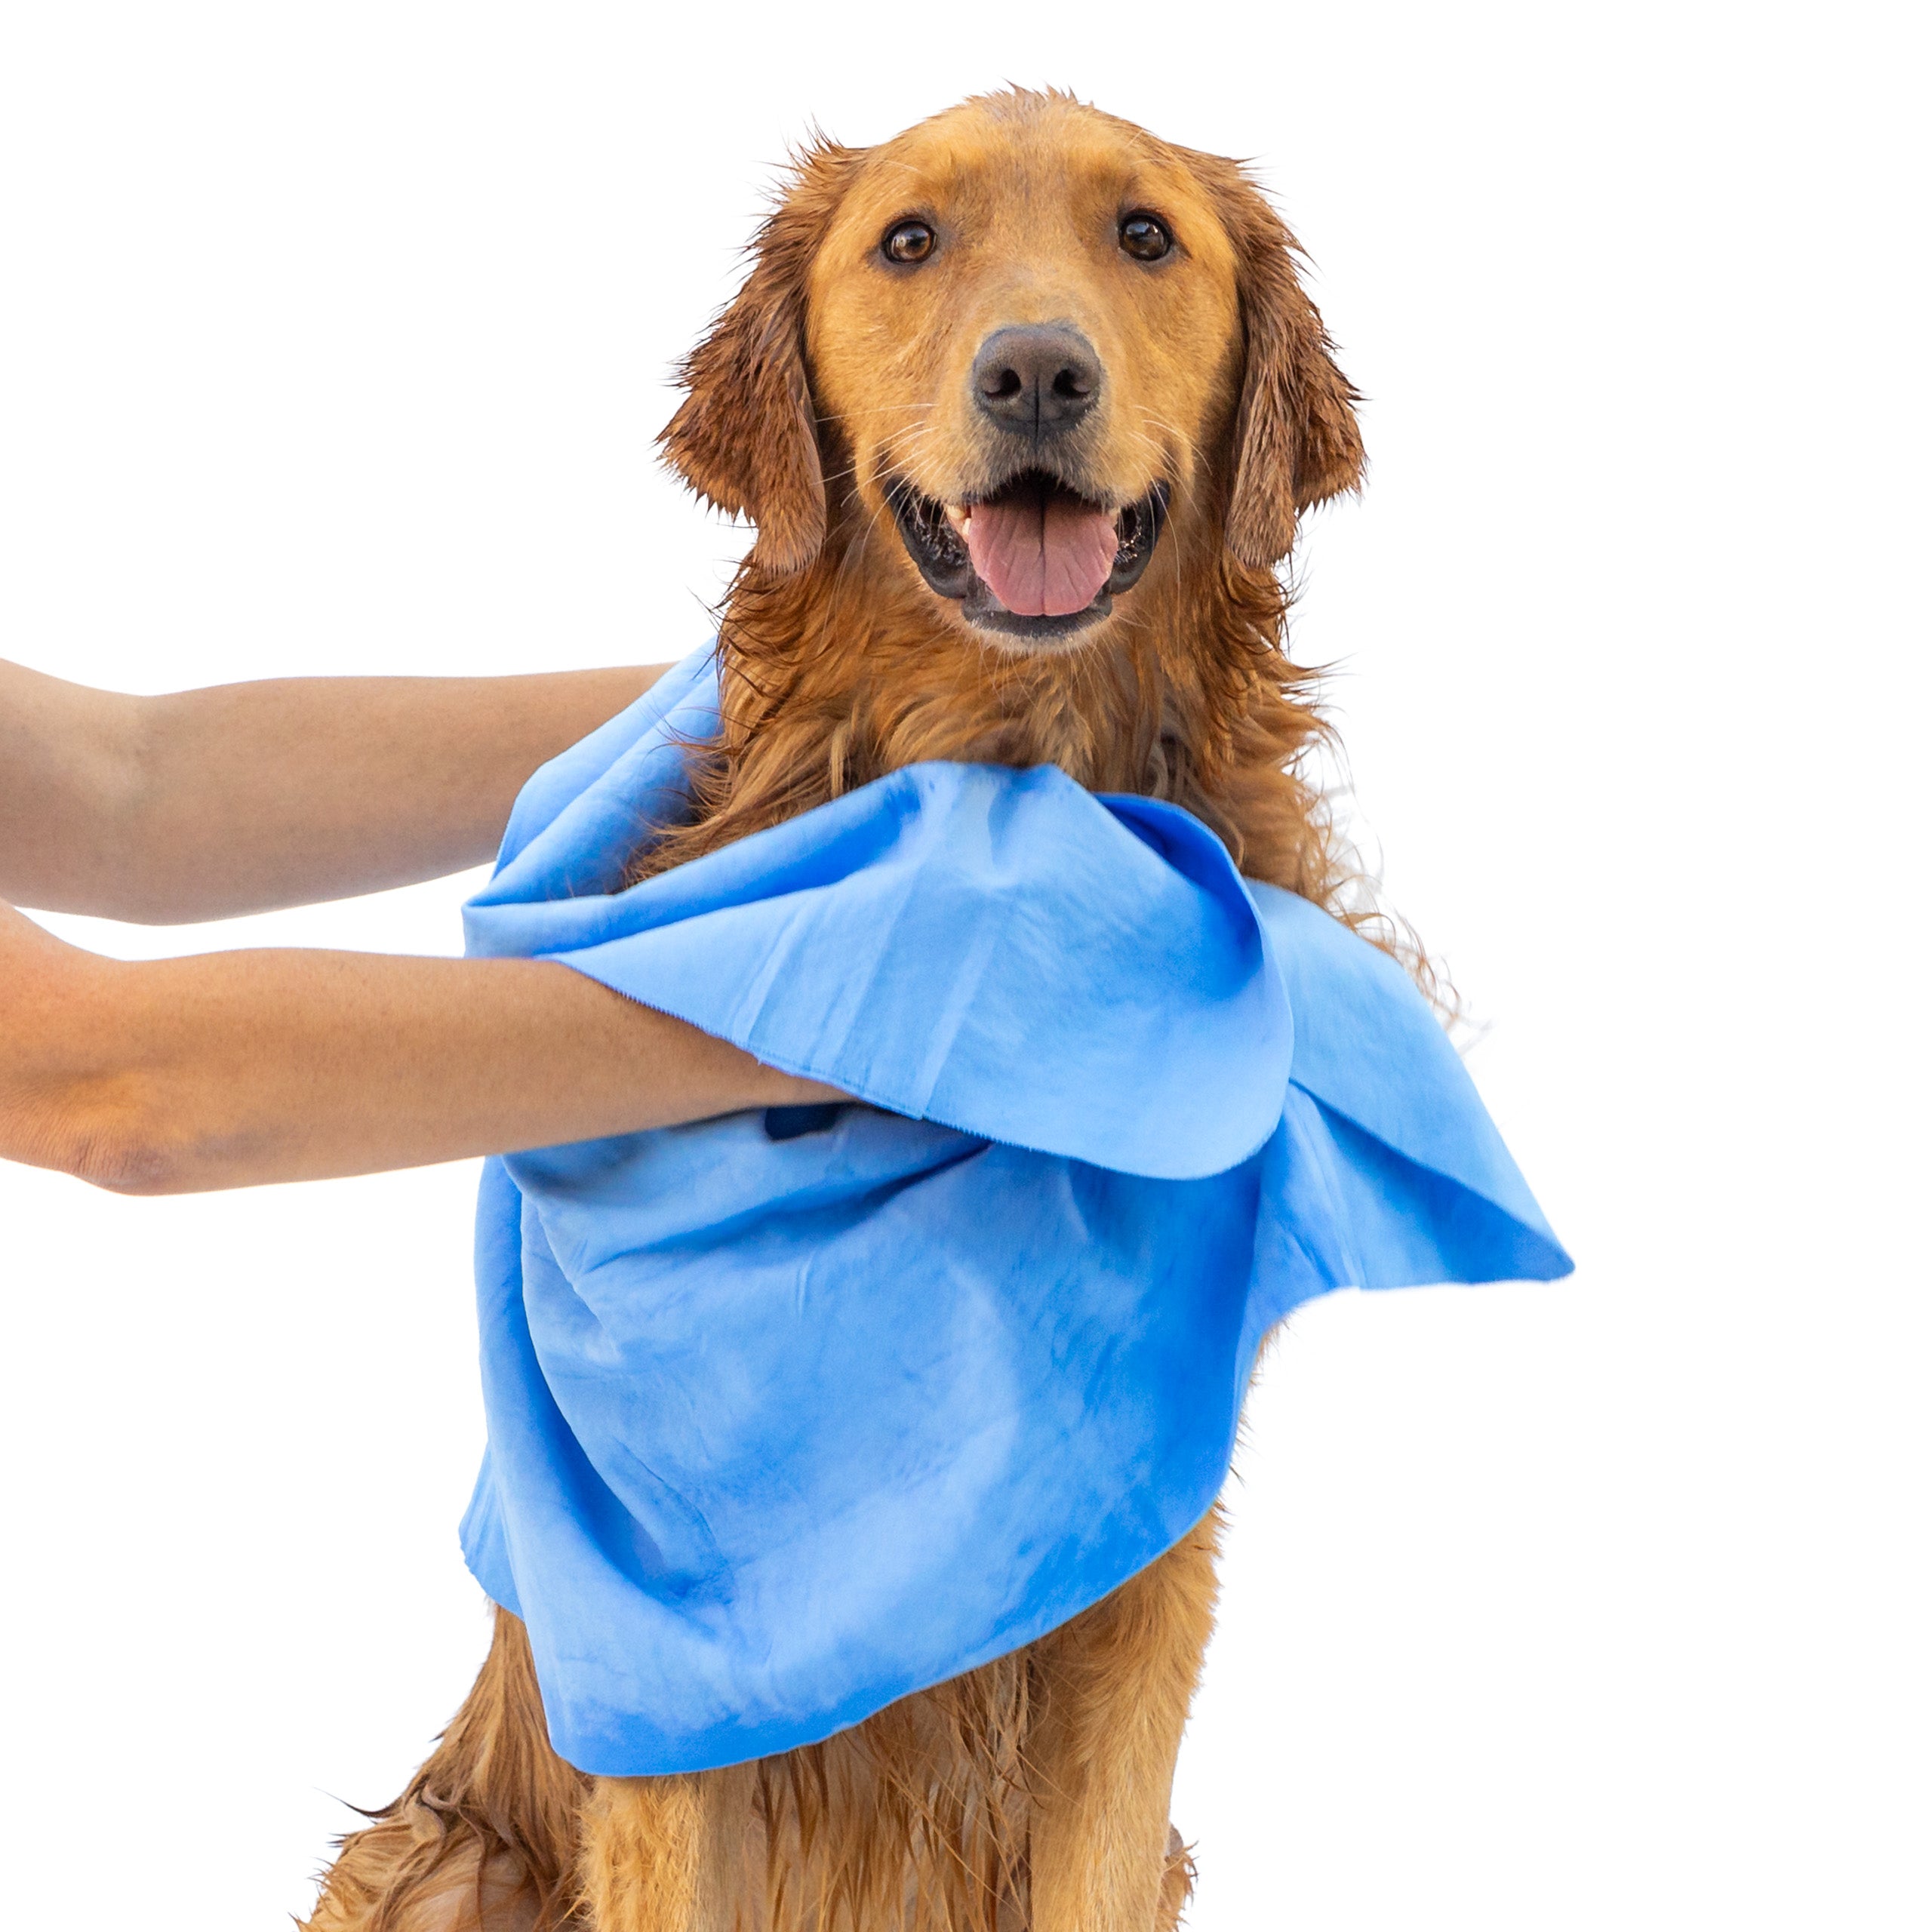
(1144, 237)
(907, 241)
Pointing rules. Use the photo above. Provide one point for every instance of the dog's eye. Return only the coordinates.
(1144, 237)
(907, 241)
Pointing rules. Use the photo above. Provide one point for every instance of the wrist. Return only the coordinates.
(790, 1090)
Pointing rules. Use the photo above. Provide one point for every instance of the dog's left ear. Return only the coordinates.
(1296, 440)
(746, 437)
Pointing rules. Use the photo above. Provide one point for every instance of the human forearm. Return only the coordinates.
(206, 804)
(232, 1069)
(68, 757)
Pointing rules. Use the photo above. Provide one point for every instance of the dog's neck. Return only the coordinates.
(833, 676)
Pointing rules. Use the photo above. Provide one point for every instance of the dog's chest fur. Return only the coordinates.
(821, 692)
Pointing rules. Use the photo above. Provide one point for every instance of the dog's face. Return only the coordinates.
(1027, 341)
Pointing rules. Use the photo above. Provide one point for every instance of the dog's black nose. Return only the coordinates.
(1037, 380)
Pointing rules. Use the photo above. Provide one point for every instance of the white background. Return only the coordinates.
(333, 338)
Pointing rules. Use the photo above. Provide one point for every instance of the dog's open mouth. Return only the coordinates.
(1032, 559)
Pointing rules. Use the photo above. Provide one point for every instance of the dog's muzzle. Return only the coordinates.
(1032, 559)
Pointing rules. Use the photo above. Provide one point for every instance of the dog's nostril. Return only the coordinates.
(1036, 379)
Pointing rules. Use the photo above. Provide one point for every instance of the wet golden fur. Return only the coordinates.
(1032, 1792)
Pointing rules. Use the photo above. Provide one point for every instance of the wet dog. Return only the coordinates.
(1025, 405)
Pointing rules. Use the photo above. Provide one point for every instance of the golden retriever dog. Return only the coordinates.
(1025, 405)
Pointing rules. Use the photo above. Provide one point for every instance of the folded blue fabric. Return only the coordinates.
(793, 1413)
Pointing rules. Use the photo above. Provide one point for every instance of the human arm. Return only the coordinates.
(232, 1069)
(204, 804)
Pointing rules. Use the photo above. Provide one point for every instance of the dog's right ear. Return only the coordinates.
(746, 437)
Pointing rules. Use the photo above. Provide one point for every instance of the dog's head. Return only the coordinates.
(1029, 339)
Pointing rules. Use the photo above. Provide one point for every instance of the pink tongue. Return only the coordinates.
(1042, 564)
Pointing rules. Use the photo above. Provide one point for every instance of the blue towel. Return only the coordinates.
(793, 1413)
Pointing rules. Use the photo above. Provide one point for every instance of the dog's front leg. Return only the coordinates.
(664, 1854)
(1115, 1684)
